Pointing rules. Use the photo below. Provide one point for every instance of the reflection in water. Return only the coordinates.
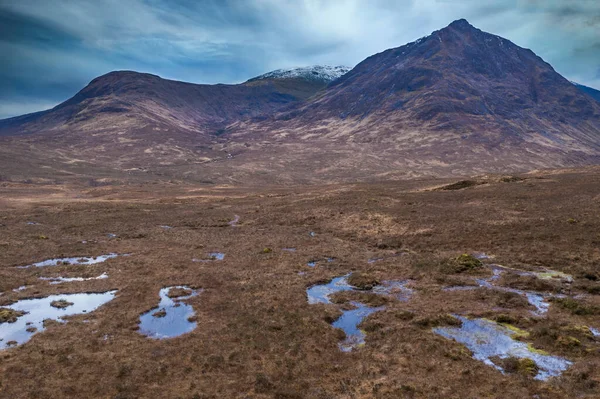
(172, 317)
(39, 309)
(351, 319)
(487, 339)
(75, 260)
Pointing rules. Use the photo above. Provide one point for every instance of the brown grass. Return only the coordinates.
(257, 336)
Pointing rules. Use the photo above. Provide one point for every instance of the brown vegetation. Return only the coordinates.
(257, 336)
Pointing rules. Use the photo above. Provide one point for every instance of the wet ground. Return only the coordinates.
(37, 311)
(351, 318)
(487, 339)
(266, 325)
(172, 317)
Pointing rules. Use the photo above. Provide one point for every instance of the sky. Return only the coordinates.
(49, 50)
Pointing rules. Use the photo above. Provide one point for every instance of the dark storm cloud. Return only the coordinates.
(51, 49)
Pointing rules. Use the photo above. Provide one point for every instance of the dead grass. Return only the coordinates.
(257, 336)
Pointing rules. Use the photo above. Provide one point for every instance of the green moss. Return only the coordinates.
(554, 275)
(266, 250)
(572, 221)
(579, 330)
(515, 365)
(9, 315)
(568, 341)
(527, 366)
(532, 349)
(517, 332)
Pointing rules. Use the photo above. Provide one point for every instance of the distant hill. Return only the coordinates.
(193, 107)
(457, 102)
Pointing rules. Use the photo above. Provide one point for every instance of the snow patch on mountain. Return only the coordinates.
(324, 73)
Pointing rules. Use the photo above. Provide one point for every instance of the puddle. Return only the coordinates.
(312, 234)
(165, 227)
(171, 318)
(373, 260)
(59, 280)
(481, 255)
(33, 223)
(536, 299)
(351, 319)
(22, 288)
(487, 339)
(111, 235)
(289, 249)
(461, 288)
(39, 309)
(553, 275)
(211, 256)
(543, 275)
(234, 222)
(320, 293)
(314, 263)
(595, 332)
(77, 260)
(397, 289)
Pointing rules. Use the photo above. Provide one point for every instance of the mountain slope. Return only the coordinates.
(457, 102)
(589, 91)
(192, 107)
(458, 78)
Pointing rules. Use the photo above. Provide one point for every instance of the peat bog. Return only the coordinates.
(500, 258)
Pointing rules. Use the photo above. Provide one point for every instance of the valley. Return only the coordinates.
(252, 329)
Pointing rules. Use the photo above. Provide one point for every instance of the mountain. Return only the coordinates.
(589, 91)
(123, 95)
(458, 78)
(321, 73)
(457, 102)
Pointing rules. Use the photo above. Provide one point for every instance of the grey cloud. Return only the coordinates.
(52, 49)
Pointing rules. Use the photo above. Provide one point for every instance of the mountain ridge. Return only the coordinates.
(124, 90)
(457, 102)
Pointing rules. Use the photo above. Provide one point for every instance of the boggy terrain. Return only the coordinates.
(257, 336)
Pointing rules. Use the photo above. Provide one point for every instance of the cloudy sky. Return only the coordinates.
(51, 49)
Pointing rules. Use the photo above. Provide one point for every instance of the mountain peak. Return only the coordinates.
(322, 73)
(461, 24)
